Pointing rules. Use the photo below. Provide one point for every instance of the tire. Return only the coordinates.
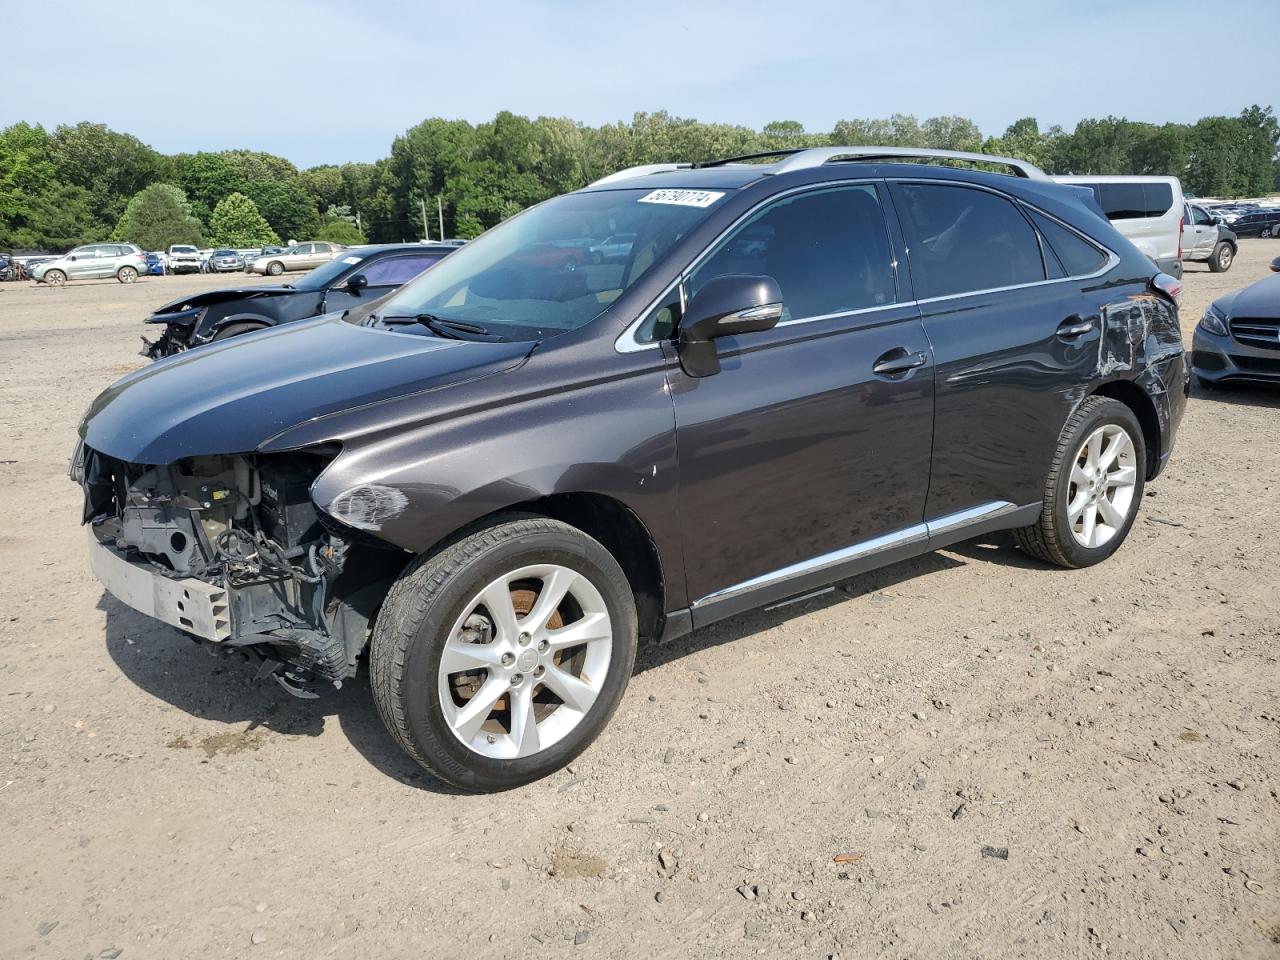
(235, 330)
(55, 278)
(1222, 257)
(127, 275)
(1053, 538)
(437, 602)
(568, 265)
(275, 268)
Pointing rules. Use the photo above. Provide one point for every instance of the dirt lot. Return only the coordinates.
(1113, 734)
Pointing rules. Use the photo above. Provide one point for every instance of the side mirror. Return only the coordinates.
(725, 307)
(71, 258)
(356, 283)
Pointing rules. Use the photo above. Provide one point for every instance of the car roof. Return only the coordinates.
(369, 249)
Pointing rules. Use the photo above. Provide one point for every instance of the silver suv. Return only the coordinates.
(93, 261)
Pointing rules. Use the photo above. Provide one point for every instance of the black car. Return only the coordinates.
(1238, 338)
(358, 276)
(507, 474)
(1259, 223)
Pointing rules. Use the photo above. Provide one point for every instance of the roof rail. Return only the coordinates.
(817, 156)
(640, 171)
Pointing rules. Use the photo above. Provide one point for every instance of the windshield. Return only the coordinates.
(182, 249)
(540, 273)
(224, 253)
(327, 272)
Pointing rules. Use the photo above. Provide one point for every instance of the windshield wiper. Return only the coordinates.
(442, 327)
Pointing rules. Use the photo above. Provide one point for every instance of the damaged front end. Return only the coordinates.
(231, 550)
(176, 335)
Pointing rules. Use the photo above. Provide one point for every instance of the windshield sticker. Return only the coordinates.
(683, 198)
(350, 259)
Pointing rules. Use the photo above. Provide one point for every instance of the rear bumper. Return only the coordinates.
(191, 605)
(1216, 359)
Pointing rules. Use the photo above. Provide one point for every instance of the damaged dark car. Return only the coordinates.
(357, 277)
(500, 479)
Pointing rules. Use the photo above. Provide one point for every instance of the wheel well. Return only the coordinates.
(622, 533)
(1133, 397)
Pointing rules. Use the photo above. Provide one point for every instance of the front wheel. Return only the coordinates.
(275, 268)
(1093, 489)
(499, 659)
(55, 278)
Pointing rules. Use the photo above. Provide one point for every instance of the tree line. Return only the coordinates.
(81, 183)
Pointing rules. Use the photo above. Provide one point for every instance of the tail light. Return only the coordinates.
(1171, 287)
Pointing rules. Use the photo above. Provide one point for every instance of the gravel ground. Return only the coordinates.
(1015, 761)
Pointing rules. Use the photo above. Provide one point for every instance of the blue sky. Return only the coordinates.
(330, 81)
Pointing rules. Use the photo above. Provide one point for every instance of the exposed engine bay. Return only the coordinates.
(232, 550)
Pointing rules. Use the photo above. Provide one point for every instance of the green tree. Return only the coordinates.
(110, 166)
(236, 222)
(207, 177)
(158, 216)
(286, 206)
(341, 231)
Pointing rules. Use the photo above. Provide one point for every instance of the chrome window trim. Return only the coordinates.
(626, 341)
(908, 536)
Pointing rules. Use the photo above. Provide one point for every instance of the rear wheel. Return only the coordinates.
(499, 659)
(127, 275)
(275, 268)
(1222, 258)
(1093, 489)
(55, 278)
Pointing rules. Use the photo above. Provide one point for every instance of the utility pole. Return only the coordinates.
(440, 215)
(426, 227)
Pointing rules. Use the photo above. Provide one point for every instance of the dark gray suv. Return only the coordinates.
(503, 476)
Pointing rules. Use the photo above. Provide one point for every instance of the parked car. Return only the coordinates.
(1259, 223)
(155, 264)
(91, 261)
(510, 474)
(1206, 239)
(301, 256)
(1146, 210)
(1238, 338)
(360, 275)
(266, 251)
(10, 269)
(184, 258)
(614, 249)
(225, 261)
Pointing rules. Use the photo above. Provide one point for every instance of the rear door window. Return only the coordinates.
(827, 249)
(961, 240)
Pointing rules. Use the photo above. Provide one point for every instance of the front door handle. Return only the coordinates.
(1074, 326)
(898, 360)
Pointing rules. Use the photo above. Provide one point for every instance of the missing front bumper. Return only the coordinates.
(191, 605)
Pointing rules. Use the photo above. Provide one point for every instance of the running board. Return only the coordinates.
(780, 586)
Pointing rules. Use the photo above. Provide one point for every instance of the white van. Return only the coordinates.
(1148, 211)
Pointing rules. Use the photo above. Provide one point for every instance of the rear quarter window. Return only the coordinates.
(1078, 257)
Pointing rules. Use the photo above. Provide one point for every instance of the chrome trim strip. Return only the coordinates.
(914, 534)
(627, 343)
(965, 518)
(917, 533)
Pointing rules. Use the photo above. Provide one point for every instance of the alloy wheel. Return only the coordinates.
(525, 661)
(1224, 257)
(1104, 476)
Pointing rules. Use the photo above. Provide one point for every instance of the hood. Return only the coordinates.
(1260, 300)
(198, 300)
(231, 396)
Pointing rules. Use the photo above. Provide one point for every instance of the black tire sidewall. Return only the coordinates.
(1111, 412)
(420, 686)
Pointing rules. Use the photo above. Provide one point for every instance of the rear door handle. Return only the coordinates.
(1074, 327)
(898, 360)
